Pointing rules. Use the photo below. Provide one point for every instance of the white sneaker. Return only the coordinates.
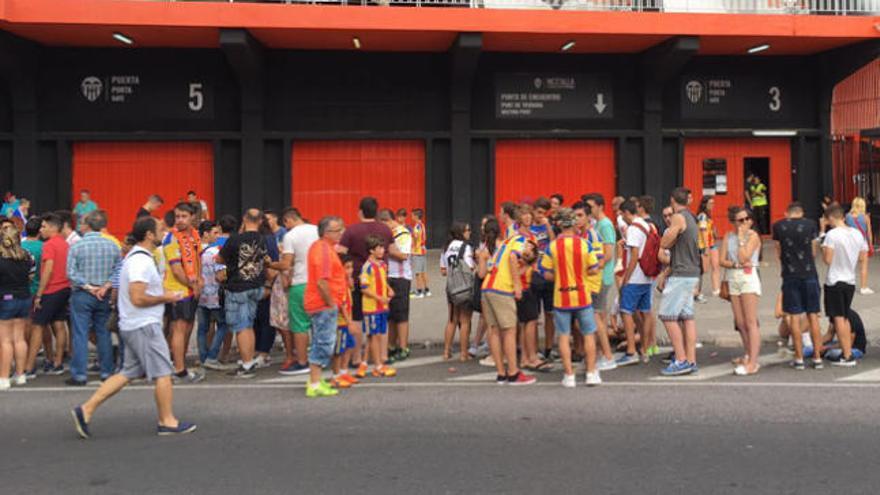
(488, 362)
(866, 291)
(605, 365)
(213, 364)
(19, 380)
(473, 351)
(593, 379)
(4, 384)
(428, 293)
(262, 361)
(568, 381)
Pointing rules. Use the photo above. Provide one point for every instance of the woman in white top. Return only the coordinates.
(739, 255)
(458, 250)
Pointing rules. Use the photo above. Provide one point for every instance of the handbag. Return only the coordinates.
(724, 293)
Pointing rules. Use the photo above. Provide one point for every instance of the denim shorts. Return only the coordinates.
(324, 324)
(800, 295)
(678, 299)
(15, 308)
(584, 316)
(241, 309)
(635, 297)
(376, 324)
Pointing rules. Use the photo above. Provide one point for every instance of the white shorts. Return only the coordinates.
(740, 283)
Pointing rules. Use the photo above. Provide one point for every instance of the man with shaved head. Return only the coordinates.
(245, 258)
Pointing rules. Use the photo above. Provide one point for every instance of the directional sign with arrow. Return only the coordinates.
(553, 96)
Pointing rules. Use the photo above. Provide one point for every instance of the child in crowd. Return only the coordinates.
(344, 340)
(419, 253)
(376, 294)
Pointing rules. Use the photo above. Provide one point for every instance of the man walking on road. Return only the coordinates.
(90, 265)
(677, 307)
(141, 306)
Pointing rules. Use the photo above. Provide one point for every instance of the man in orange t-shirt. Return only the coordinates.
(325, 291)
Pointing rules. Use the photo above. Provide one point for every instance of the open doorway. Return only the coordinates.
(756, 175)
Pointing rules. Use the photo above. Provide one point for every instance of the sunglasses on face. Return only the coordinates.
(742, 219)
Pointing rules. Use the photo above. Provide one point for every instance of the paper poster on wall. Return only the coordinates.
(714, 176)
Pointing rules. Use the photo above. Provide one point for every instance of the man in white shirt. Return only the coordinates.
(400, 276)
(70, 234)
(294, 253)
(142, 301)
(635, 287)
(842, 250)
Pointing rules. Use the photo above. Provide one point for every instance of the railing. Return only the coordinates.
(819, 7)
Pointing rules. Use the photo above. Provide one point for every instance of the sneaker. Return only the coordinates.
(428, 293)
(653, 350)
(593, 379)
(391, 360)
(94, 369)
(55, 370)
(488, 362)
(181, 429)
(262, 361)
(701, 299)
(79, 422)
(845, 363)
(19, 380)
(818, 364)
(645, 358)
(384, 371)
(245, 372)
(501, 379)
(627, 360)
(603, 364)
(322, 389)
(404, 354)
(677, 368)
(348, 378)
(73, 382)
(213, 364)
(362, 370)
(694, 368)
(797, 364)
(189, 376)
(47, 367)
(293, 368)
(866, 291)
(521, 379)
(472, 351)
(568, 381)
(31, 374)
(339, 384)
(5, 384)
(669, 358)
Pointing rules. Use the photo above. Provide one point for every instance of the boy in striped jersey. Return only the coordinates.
(569, 263)
(419, 253)
(375, 297)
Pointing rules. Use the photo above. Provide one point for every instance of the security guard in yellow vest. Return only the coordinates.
(757, 196)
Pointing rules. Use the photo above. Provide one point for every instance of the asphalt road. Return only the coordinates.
(446, 428)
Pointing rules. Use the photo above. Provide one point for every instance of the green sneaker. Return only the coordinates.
(653, 350)
(403, 354)
(322, 390)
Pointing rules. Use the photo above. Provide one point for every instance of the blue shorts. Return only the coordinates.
(241, 309)
(678, 299)
(376, 324)
(584, 316)
(344, 340)
(800, 295)
(15, 308)
(635, 297)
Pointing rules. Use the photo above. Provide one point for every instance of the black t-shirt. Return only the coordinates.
(245, 258)
(15, 278)
(796, 236)
(142, 212)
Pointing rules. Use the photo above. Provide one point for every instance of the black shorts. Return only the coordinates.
(527, 308)
(357, 306)
(398, 308)
(543, 292)
(838, 299)
(185, 309)
(53, 307)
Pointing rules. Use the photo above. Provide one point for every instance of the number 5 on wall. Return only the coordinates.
(196, 97)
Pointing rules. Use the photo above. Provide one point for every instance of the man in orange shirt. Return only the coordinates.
(325, 292)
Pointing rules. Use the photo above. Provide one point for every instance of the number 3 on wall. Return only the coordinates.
(196, 97)
(775, 99)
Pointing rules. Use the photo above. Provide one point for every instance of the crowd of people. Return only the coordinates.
(339, 296)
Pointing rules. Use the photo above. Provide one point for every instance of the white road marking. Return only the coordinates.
(409, 363)
(719, 370)
(479, 377)
(867, 376)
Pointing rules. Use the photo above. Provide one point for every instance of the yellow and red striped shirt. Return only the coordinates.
(419, 236)
(569, 258)
(500, 279)
(374, 277)
(594, 242)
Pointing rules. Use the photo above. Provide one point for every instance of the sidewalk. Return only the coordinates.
(714, 319)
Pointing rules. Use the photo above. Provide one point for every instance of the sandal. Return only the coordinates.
(544, 367)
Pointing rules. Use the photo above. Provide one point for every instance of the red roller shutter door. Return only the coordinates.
(330, 177)
(122, 175)
(735, 151)
(526, 170)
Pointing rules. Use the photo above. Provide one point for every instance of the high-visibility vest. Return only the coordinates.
(758, 194)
